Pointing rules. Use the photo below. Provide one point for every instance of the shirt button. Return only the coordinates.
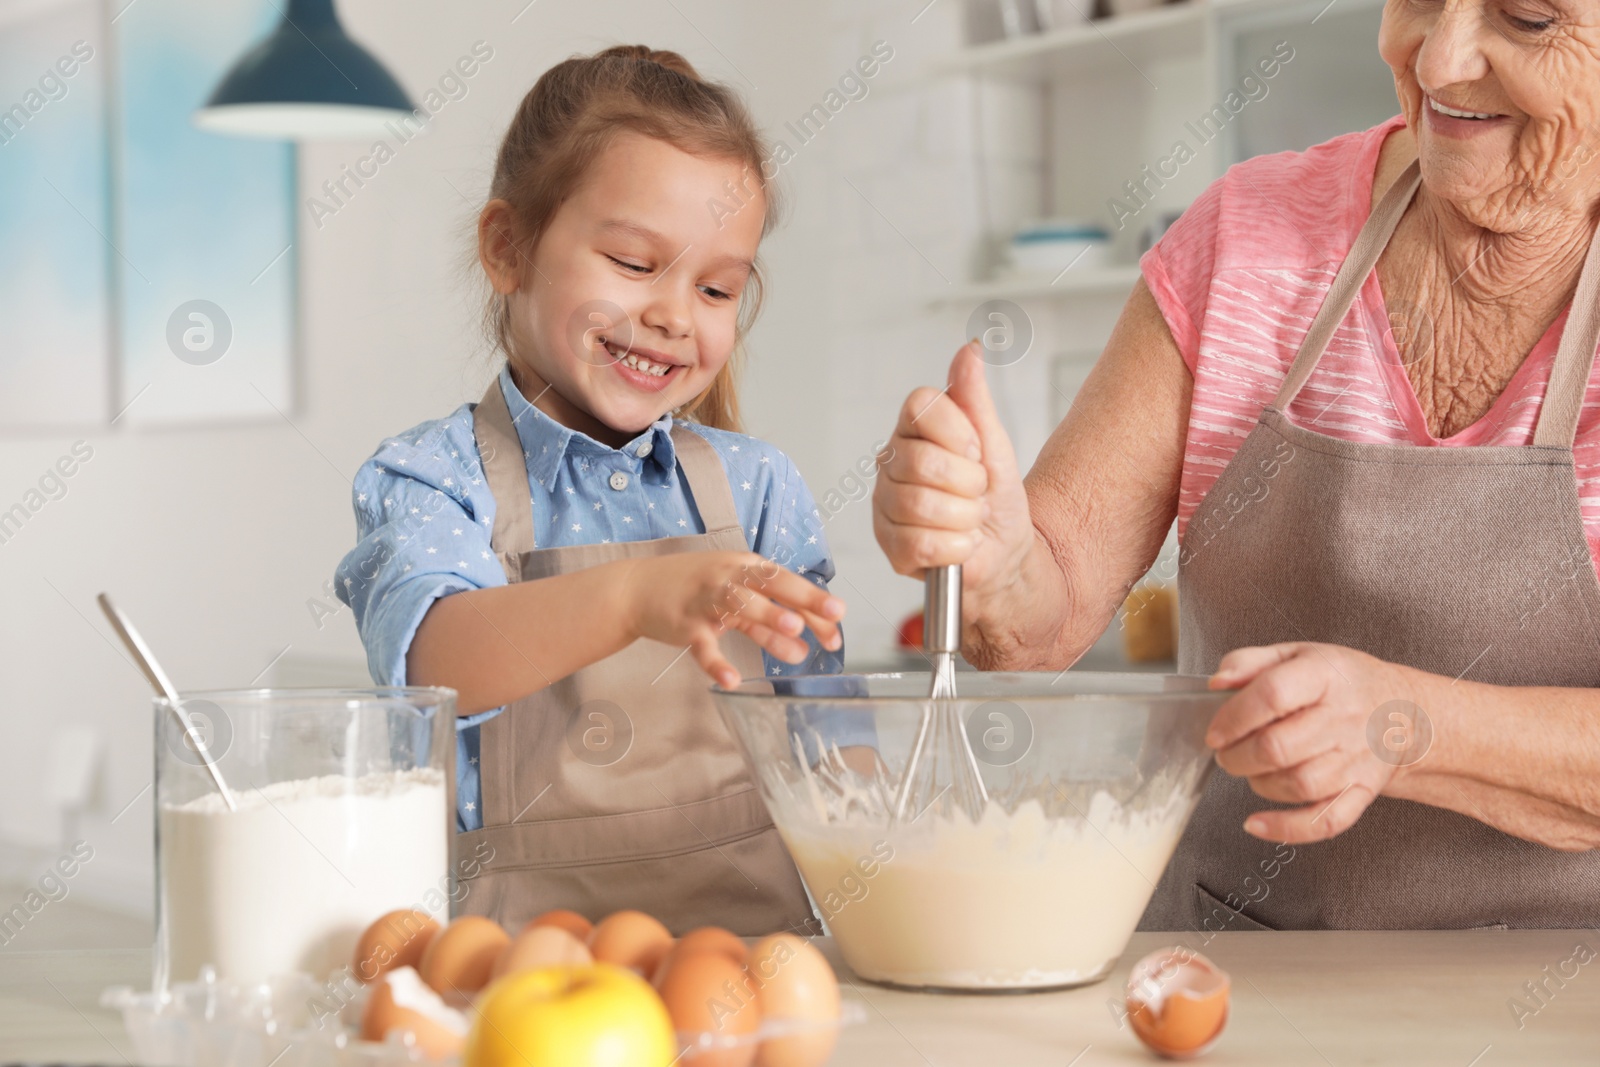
(618, 481)
(643, 450)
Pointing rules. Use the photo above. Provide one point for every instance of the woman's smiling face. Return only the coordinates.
(628, 306)
(1523, 80)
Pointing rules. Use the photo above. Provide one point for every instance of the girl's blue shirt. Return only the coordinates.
(424, 514)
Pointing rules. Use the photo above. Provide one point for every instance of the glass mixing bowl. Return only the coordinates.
(1091, 778)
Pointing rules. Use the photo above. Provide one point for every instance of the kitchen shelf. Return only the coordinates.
(1093, 282)
(1168, 32)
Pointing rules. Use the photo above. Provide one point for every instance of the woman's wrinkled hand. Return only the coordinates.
(1301, 729)
(950, 491)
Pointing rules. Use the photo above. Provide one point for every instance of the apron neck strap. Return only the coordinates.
(1569, 376)
(1347, 283)
(505, 468)
(708, 482)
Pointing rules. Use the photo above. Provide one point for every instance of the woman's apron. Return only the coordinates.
(1466, 562)
(618, 786)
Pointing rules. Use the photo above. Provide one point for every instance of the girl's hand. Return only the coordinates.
(1299, 730)
(950, 490)
(690, 598)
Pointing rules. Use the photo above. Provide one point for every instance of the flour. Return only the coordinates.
(289, 881)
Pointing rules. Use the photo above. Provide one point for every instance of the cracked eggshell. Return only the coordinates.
(400, 1001)
(1177, 1001)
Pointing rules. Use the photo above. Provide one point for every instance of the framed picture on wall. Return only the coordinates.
(206, 224)
(149, 275)
(55, 219)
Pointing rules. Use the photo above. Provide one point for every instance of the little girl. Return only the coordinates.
(566, 551)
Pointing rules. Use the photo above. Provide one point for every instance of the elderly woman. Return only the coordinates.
(1359, 379)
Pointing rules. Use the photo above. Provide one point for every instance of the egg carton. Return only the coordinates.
(282, 1022)
(286, 1022)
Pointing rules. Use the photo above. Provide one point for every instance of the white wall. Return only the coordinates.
(215, 538)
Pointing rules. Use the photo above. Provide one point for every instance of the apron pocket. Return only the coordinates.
(1213, 915)
(746, 884)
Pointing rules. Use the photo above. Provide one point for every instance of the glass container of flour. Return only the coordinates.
(1089, 780)
(343, 809)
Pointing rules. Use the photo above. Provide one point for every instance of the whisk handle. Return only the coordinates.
(941, 609)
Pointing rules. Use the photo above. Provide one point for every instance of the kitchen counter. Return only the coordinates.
(1324, 998)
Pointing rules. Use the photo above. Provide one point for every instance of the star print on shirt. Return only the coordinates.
(457, 531)
(627, 518)
(470, 806)
(745, 486)
(361, 498)
(432, 550)
(683, 522)
(577, 527)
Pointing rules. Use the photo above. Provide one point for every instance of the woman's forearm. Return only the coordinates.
(1525, 760)
(1013, 626)
(494, 646)
(1102, 495)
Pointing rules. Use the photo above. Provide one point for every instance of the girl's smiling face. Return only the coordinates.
(628, 305)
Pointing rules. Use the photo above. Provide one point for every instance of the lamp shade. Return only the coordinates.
(306, 81)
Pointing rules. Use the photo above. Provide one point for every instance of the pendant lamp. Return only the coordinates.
(306, 81)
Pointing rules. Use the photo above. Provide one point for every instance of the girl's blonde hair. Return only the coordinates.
(572, 114)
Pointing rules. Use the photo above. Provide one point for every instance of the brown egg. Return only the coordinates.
(542, 946)
(795, 985)
(712, 1005)
(630, 939)
(460, 959)
(397, 939)
(704, 939)
(400, 1001)
(1177, 1002)
(570, 921)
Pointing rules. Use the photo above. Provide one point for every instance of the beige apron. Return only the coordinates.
(1466, 561)
(619, 786)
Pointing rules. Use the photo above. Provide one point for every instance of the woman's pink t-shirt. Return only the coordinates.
(1239, 277)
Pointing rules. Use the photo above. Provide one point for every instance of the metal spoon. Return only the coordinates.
(163, 687)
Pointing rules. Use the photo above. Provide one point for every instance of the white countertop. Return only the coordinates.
(1323, 998)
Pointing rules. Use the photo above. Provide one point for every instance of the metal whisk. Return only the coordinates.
(941, 757)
